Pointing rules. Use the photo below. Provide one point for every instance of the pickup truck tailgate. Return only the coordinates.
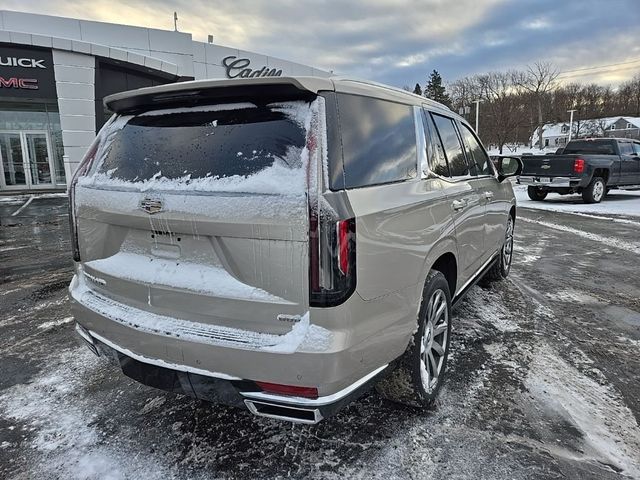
(548, 165)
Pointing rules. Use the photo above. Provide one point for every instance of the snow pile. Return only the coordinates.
(194, 277)
(303, 337)
(55, 323)
(202, 108)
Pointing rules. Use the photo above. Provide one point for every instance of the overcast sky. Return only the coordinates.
(398, 41)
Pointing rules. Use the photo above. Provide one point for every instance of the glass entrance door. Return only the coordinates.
(26, 160)
(38, 159)
(12, 160)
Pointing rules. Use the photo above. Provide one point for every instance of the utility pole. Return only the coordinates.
(570, 123)
(477, 102)
(175, 21)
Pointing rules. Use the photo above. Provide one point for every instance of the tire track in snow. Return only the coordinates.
(611, 432)
(610, 241)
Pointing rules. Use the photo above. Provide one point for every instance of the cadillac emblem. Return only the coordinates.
(151, 205)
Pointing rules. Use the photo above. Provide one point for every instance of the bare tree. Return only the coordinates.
(503, 107)
(538, 79)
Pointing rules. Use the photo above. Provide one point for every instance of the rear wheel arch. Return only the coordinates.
(448, 266)
(602, 173)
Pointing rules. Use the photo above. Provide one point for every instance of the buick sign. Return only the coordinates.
(27, 72)
(21, 62)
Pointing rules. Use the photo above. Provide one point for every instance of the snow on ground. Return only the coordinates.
(617, 202)
(54, 407)
(610, 430)
(633, 247)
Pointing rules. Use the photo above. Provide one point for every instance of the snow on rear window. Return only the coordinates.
(231, 148)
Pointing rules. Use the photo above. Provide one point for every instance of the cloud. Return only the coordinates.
(395, 41)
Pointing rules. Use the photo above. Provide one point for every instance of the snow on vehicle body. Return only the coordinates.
(231, 243)
(587, 166)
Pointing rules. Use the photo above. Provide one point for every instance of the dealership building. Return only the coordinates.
(54, 73)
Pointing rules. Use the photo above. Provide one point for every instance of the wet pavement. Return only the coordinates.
(543, 382)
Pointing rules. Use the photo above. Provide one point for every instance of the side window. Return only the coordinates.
(625, 148)
(636, 148)
(452, 147)
(436, 157)
(478, 158)
(378, 141)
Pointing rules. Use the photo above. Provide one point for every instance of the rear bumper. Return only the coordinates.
(221, 388)
(550, 182)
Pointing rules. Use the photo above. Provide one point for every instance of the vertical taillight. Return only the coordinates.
(578, 165)
(332, 260)
(343, 227)
(82, 169)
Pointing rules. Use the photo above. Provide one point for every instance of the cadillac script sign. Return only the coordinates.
(240, 68)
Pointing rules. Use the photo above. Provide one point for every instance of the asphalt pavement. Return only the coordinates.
(543, 381)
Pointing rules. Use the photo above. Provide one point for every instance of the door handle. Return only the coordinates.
(458, 205)
(488, 195)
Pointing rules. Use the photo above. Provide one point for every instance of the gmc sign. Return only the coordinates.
(27, 72)
(27, 83)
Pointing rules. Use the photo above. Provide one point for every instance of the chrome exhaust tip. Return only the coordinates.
(88, 339)
(284, 412)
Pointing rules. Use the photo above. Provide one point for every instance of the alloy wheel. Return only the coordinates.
(507, 248)
(434, 340)
(598, 190)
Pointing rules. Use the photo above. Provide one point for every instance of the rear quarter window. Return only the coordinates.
(378, 141)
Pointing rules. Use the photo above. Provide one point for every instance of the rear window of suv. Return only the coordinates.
(234, 147)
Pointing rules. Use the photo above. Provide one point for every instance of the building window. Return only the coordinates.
(629, 126)
(565, 129)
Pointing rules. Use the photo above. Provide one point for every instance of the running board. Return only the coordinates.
(475, 279)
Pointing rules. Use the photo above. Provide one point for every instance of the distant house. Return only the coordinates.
(557, 134)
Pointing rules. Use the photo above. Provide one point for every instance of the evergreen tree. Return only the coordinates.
(435, 90)
(417, 90)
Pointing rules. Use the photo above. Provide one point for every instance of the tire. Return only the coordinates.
(500, 269)
(412, 382)
(595, 191)
(536, 193)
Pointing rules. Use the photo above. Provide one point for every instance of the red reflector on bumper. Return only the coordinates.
(307, 392)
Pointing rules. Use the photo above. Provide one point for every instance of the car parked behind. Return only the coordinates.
(589, 166)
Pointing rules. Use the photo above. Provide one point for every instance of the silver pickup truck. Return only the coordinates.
(590, 166)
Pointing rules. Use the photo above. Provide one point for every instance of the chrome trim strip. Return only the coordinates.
(314, 402)
(473, 277)
(317, 416)
(83, 333)
(161, 363)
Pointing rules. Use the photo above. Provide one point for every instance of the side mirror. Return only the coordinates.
(508, 167)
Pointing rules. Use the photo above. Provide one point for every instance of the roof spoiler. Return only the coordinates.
(201, 91)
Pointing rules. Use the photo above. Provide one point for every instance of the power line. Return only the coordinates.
(560, 77)
(600, 66)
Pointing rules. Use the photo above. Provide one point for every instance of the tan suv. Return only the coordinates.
(281, 244)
